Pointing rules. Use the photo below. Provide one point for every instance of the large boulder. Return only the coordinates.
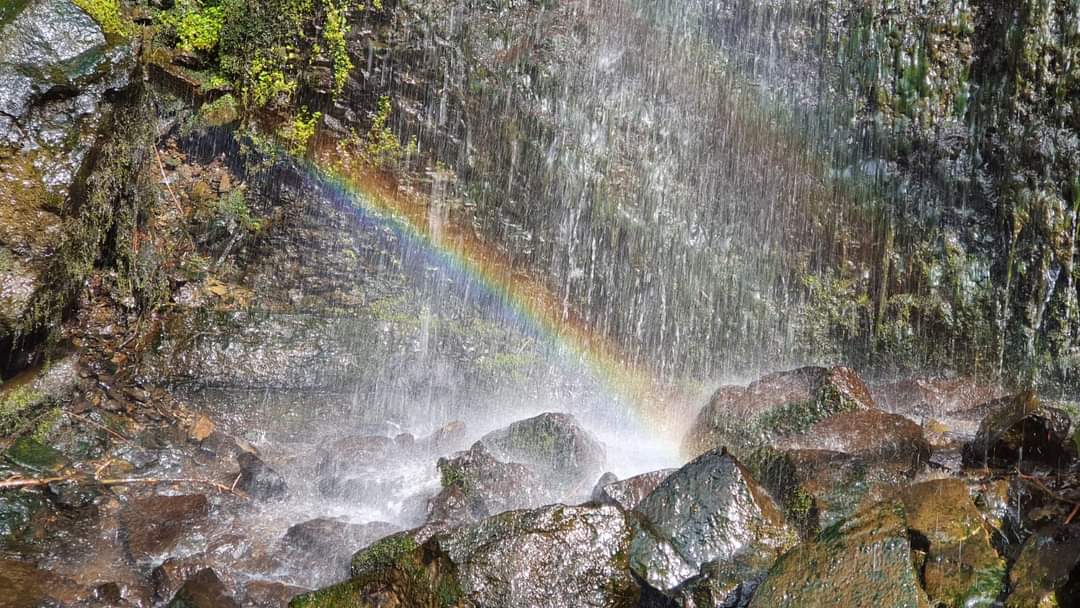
(710, 510)
(203, 590)
(884, 440)
(476, 485)
(1021, 428)
(862, 561)
(557, 447)
(776, 406)
(1047, 571)
(325, 546)
(550, 557)
(961, 567)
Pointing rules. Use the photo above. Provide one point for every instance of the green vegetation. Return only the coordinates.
(382, 147)
(232, 210)
(17, 409)
(297, 134)
(382, 554)
(337, 26)
(199, 30)
(108, 15)
(220, 112)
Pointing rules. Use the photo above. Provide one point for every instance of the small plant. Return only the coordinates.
(337, 27)
(233, 209)
(108, 15)
(199, 30)
(267, 83)
(298, 133)
(382, 146)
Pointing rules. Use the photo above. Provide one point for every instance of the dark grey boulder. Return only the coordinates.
(258, 480)
(476, 485)
(1021, 428)
(709, 510)
(566, 455)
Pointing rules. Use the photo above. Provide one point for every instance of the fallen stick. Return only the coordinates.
(1035, 481)
(100, 426)
(20, 483)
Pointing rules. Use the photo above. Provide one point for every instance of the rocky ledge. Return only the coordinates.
(803, 492)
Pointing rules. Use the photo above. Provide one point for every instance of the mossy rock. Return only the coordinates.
(778, 405)
(961, 568)
(863, 561)
(30, 454)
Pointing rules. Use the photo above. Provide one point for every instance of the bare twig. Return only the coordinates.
(1035, 481)
(100, 426)
(1075, 510)
(165, 180)
(16, 483)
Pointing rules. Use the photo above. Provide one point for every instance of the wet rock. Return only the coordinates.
(446, 439)
(23, 585)
(727, 584)
(574, 556)
(960, 568)
(1021, 428)
(709, 510)
(331, 542)
(258, 480)
(49, 45)
(153, 524)
(203, 590)
(627, 493)
(862, 561)
(563, 452)
(16, 511)
(877, 437)
(384, 552)
(169, 576)
(778, 405)
(28, 453)
(71, 494)
(269, 594)
(1045, 573)
(817, 488)
(925, 398)
(476, 485)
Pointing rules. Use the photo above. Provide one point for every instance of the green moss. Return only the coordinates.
(220, 112)
(31, 454)
(382, 554)
(297, 134)
(45, 425)
(17, 408)
(342, 595)
(109, 16)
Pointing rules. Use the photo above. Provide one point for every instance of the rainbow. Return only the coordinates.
(375, 197)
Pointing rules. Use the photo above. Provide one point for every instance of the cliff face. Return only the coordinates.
(892, 183)
(718, 185)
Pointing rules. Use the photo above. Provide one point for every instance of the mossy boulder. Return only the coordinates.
(778, 405)
(710, 510)
(1047, 572)
(476, 485)
(960, 566)
(573, 556)
(862, 561)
